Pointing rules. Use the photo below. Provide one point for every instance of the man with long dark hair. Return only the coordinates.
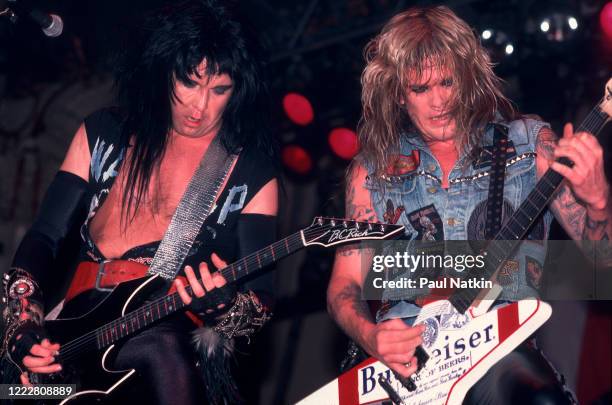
(192, 78)
(429, 100)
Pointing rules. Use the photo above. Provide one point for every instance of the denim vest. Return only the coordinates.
(413, 196)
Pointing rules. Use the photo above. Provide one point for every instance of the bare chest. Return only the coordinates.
(149, 223)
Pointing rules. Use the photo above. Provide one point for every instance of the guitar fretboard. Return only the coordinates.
(164, 306)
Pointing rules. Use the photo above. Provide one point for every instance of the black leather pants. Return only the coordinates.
(165, 364)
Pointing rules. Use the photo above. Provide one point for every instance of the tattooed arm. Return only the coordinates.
(582, 205)
(392, 342)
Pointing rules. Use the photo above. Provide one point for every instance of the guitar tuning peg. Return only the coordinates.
(333, 222)
(320, 221)
(369, 226)
(356, 225)
(344, 224)
(382, 227)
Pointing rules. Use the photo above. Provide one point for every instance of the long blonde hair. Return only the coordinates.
(412, 42)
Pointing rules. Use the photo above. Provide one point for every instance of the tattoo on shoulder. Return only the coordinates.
(361, 212)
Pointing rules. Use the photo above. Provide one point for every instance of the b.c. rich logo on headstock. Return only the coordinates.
(333, 231)
(346, 234)
(352, 233)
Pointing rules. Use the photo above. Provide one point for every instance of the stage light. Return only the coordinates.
(296, 159)
(498, 43)
(559, 26)
(343, 142)
(605, 20)
(298, 109)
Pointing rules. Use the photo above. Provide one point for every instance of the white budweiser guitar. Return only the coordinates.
(463, 339)
(94, 337)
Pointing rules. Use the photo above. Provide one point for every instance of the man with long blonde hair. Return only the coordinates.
(430, 99)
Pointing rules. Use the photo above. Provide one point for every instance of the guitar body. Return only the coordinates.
(461, 349)
(92, 371)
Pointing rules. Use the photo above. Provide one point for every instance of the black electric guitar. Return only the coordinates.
(122, 314)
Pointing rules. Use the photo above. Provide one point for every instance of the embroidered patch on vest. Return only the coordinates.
(402, 164)
(507, 272)
(486, 153)
(392, 214)
(427, 223)
(533, 271)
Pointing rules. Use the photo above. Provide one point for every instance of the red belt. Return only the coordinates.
(105, 275)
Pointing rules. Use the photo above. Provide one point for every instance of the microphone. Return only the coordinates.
(51, 24)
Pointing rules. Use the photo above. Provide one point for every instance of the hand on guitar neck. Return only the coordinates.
(211, 305)
(586, 176)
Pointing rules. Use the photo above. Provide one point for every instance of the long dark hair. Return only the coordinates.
(170, 45)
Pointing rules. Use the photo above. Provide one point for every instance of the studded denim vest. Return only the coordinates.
(412, 195)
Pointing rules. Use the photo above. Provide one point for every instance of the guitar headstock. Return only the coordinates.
(334, 231)
(606, 103)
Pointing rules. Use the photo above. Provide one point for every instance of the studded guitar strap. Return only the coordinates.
(495, 200)
(193, 209)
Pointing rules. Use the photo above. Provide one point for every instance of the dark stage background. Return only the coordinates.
(48, 85)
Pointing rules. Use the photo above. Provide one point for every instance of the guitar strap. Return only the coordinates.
(495, 199)
(193, 209)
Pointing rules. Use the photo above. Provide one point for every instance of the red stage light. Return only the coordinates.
(343, 142)
(296, 159)
(605, 19)
(298, 108)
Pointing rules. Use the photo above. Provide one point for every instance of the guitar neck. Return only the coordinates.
(509, 237)
(169, 304)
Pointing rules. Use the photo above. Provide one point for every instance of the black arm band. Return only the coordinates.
(256, 231)
(62, 206)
